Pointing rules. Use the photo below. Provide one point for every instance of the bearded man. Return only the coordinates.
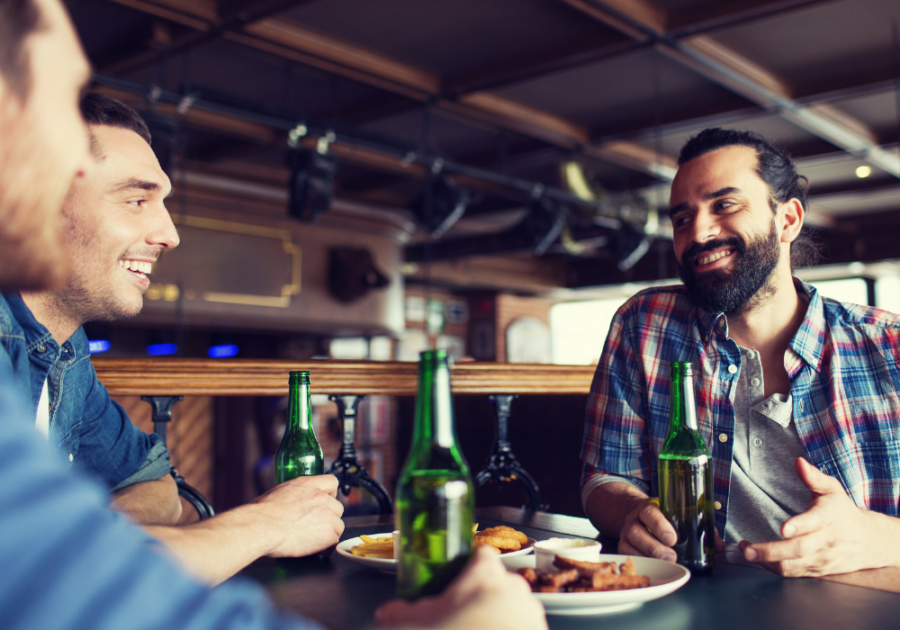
(796, 393)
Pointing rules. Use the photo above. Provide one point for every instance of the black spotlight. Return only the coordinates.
(311, 184)
(630, 244)
(448, 205)
(543, 224)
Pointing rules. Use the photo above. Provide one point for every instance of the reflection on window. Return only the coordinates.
(852, 290)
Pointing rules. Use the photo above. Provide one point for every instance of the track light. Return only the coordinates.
(543, 224)
(448, 204)
(311, 183)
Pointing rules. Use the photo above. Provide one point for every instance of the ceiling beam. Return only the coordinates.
(725, 67)
(292, 41)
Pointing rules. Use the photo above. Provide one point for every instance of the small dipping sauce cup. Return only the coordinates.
(582, 549)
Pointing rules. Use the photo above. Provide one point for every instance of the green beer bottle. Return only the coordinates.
(685, 477)
(299, 453)
(435, 494)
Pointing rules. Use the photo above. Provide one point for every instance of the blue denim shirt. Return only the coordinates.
(68, 563)
(87, 427)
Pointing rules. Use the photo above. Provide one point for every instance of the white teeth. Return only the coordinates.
(138, 266)
(705, 260)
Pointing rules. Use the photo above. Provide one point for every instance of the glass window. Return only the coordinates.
(578, 329)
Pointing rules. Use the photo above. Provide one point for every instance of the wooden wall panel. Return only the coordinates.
(511, 307)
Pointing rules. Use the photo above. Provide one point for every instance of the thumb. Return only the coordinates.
(814, 479)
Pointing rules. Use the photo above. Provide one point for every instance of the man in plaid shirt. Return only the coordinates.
(796, 393)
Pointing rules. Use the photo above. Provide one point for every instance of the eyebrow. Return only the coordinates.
(722, 192)
(140, 184)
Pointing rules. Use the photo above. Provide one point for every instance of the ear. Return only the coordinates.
(791, 215)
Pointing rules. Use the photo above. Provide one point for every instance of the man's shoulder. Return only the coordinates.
(856, 316)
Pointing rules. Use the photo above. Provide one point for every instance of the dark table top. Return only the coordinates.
(341, 594)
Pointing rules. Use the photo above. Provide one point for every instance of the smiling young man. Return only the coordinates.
(797, 394)
(115, 225)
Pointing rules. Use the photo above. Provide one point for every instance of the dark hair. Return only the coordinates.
(774, 167)
(99, 109)
(18, 20)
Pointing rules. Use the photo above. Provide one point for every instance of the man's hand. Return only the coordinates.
(647, 532)
(832, 536)
(485, 595)
(301, 516)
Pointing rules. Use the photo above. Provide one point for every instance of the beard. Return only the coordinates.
(732, 291)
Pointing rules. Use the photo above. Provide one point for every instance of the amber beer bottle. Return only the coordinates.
(685, 477)
(435, 494)
(299, 453)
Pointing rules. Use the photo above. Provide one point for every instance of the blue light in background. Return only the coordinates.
(161, 349)
(98, 345)
(223, 351)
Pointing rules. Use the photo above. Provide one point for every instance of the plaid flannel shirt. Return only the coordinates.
(845, 383)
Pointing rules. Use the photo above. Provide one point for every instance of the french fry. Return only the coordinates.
(381, 547)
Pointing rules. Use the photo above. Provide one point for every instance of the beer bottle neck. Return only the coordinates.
(434, 407)
(299, 410)
(683, 407)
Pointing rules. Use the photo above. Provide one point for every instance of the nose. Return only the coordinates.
(164, 233)
(704, 227)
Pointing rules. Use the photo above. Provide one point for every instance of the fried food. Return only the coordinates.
(502, 538)
(584, 577)
(381, 547)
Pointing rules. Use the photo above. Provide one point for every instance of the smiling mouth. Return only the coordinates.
(706, 259)
(139, 268)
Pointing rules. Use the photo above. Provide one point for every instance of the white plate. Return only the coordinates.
(389, 565)
(665, 578)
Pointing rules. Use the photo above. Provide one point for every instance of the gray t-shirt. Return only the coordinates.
(765, 489)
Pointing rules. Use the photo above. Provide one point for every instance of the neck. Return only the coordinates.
(49, 312)
(774, 316)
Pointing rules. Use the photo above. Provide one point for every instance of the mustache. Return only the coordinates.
(732, 242)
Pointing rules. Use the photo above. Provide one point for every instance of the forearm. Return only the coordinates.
(215, 549)
(149, 502)
(609, 504)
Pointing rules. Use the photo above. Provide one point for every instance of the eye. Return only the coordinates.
(137, 202)
(680, 220)
(724, 204)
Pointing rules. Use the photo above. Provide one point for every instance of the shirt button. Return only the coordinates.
(723, 437)
(754, 382)
(717, 505)
(732, 369)
(751, 354)
(71, 457)
(757, 442)
(42, 348)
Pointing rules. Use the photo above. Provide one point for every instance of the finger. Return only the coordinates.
(719, 543)
(338, 526)
(638, 541)
(785, 550)
(657, 523)
(814, 479)
(812, 520)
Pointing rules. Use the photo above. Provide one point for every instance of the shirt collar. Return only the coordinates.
(35, 332)
(809, 340)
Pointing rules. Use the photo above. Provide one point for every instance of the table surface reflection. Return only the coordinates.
(343, 595)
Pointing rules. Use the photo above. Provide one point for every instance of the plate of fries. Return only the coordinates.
(622, 579)
(375, 551)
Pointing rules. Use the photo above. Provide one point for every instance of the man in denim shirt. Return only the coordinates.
(114, 233)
